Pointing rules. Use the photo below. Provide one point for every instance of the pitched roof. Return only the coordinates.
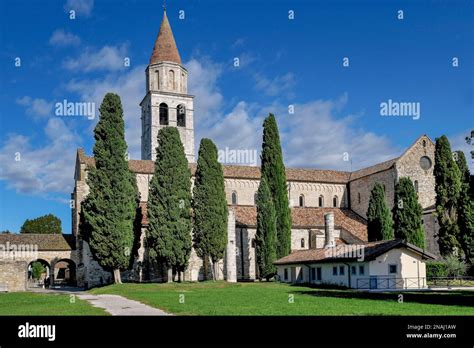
(308, 217)
(165, 47)
(342, 253)
(380, 167)
(43, 241)
(237, 172)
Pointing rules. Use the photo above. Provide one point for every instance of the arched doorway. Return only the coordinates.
(39, 274)
(65, 273)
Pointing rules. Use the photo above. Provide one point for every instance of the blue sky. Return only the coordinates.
(282, 62)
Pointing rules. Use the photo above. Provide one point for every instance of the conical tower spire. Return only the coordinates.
(165, 47)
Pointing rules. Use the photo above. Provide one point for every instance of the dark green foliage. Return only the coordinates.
(109, 211)
(266, 232)
(169, 204)
(465, 209)
(379, 218)
(210, 206)
(436, 269)
(43, 224)
(407, 214)
(448, 188)
(37, 269)
(273, 171)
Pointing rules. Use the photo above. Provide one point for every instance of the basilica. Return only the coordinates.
(328, 207)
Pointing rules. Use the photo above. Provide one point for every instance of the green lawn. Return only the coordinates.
(27, 303)
(221, 298)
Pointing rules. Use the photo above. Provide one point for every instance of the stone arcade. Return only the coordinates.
(319, 198)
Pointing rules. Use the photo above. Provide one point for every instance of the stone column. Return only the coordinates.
(329, 229)
(231, 266)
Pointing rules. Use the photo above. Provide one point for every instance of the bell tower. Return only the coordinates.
(167, 102)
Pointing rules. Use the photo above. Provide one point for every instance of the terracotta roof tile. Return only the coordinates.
(310, 217)
(370, 251)
(165, 47)
(43, 241)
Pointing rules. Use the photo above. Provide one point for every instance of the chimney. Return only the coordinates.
(329, 229)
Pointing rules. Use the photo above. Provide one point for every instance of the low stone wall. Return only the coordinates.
(13, 275)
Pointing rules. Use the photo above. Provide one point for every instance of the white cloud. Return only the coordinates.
(130, 86)
(273, 87)
(62, 38)
(35, 107)
(82, 7)
(458, 142)
(108, 58)
(45, 170)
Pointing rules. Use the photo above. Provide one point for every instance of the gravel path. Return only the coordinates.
(118, 305)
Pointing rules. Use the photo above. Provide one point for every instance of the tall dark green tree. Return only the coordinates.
(273, 171)
(169, 204)
(448, 189)
(379, 218)
(266, 232)
(465, 209)
(210, 207)
(44, 224)
(108, 212)
(407, 214)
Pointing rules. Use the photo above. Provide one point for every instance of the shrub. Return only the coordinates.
(436, 269)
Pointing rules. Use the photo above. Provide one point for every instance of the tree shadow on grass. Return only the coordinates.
(450, 298)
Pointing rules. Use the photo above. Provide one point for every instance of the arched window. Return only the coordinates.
(335, 202)
(172, 83)
(416, 186)
(163, 114)
(358, 197)
(181, 111)
(301, 201)
(234, 198)
(157, 78)
(302, 242)
(424, 143)
(321, 201)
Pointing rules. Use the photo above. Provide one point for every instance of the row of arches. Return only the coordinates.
(60, 272)
(171, 81)
(180, 115)
(301, 200)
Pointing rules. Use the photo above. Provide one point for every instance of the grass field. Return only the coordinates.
(27, 303)
(221, 298)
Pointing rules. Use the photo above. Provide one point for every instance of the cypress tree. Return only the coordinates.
(273, 171)
(169, 204)
(465, 209)
(266, 232)
(379, 218)
(448, 188)
(109, 211)
(407, 214)
(210, 207)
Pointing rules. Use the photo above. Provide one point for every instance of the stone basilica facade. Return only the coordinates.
(321, 200)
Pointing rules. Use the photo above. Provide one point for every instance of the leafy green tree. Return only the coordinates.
(407, 214)
(44, 224)
(37, 269)
(465, 208)
(379, 218)
(448, 189)
(169, 204)
(266, 232)
(273, 171)
(109, 210)
(210, 207)
(455, 267)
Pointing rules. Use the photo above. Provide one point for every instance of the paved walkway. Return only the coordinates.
(118, 305)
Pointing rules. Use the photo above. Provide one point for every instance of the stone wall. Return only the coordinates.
(13, 274)
(409, 166)
(360, 190)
